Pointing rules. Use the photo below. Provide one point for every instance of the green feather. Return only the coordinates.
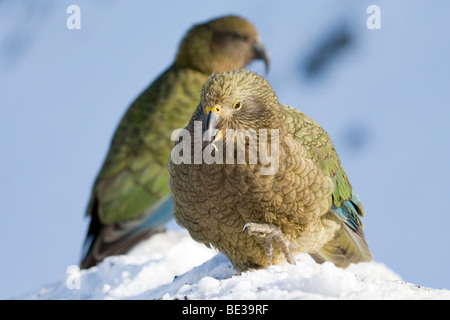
(320, 149)
(134, 175)
(350, 245)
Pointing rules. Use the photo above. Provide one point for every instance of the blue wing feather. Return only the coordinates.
(349, 213)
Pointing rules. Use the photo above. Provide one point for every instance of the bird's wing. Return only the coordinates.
(132, 185)
(321, 151)
(346, 204)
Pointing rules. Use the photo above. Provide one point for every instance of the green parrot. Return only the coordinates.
(130, 199)
(287, 194)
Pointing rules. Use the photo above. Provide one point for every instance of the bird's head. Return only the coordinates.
(238, 100)
(223, 44)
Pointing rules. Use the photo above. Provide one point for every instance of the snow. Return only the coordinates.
(173, 266)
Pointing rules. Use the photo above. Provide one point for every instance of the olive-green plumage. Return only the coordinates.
(306, 205)
(130, 198)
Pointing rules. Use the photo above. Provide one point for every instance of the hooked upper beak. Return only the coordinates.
(212, 133)
(261, 53)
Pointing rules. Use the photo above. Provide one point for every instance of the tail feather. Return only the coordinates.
(345, 248)
(349, 245)
(108, 240)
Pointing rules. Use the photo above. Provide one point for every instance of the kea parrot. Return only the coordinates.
(259, 212)
(130, 198)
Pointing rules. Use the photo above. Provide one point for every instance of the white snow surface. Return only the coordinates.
(173, 266)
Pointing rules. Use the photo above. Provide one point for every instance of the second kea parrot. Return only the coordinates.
(258, 209)
(130, 199)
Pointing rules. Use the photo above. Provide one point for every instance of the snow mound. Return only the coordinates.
(172, 266)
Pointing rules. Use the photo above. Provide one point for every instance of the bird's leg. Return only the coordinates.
(270, 233)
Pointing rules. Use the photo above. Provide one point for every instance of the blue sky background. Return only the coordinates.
(384, 99)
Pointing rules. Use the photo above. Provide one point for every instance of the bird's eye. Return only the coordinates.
(237, 105)
(238, 36)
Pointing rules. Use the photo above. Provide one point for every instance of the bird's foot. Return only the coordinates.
(271, 233)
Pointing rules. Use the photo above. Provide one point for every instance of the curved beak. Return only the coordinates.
(212, 134)
(261, 53)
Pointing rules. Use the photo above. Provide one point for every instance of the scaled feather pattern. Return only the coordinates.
(255, 219)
